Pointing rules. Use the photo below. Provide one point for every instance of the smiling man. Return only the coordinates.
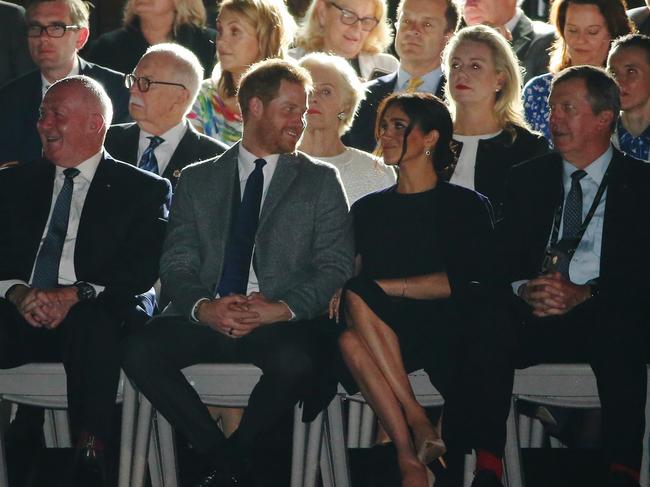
(259, 240)
(423, 29)
(75, 254)
(56, 31)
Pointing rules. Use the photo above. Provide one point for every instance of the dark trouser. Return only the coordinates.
(87, 342)
(607, 336)
(154, 357)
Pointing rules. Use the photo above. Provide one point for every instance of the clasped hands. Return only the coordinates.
(44, 308)
(238, 315)
(553, 294)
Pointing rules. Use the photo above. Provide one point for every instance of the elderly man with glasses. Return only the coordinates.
(56, 31)
(163, 88)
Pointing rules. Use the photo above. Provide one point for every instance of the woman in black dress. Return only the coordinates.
(420, 244)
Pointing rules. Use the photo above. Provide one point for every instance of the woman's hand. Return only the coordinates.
(335, 304)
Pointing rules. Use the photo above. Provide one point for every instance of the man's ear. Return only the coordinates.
(82, 37)
(255, 107)
(96, 123)
(605, 119)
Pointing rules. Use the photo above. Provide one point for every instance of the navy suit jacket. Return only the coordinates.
(21, 99)
(362, 133)
(120, 233)
(122, 143)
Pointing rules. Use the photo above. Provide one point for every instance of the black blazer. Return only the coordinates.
(534, 192)
(120, 232)
(531, 41)
(122, 143)
(21, 99)
(362, 133)
(495, 157)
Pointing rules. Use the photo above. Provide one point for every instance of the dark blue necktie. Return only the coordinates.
(46, 269)
(239, 251)
(148, 161)
(572, 218)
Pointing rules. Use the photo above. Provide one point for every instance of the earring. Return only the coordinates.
(498, 90)
(341, 115)
(427, 152)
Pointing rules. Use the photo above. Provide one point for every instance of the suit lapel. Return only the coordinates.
(130, 144)
(522, 34)
(617, 212)
(285, 173)
(184, 152)
(218, 202)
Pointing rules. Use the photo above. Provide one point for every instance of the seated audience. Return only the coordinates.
(358, 31)
(163, 87)
(147, 23)
(579, 283)
(82, 235)
(249, 31)
(585, 30)
(332, 106)
(629, 64)
(230, 304)
(14, 55)
(415, 261)
(530, 39)
(484, 97)
(423, 29)
(56, 31)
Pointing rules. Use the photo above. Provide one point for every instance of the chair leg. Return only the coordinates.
(166, 451)
(127, 434)
(645, 460)
(336, 439)
(525, 428)
(49, 429)
(368, 421)
(62, 428)
(298, 448)
(468, 469)
(5, 415)
(514, 473)
(326, 460)
(143, 429)
(312, 456)
(354, 423)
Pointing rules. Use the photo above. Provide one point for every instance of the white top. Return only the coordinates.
(166, 149)
(67, 275)
(361, 173)
(466, 166)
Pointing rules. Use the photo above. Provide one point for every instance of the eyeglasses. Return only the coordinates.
(350, 18)
(145, 83)
(52, 30)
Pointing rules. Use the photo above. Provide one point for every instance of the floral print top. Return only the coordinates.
(638, 147)
(211, 115)
(536, 109)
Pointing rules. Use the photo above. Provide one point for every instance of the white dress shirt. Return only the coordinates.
(466, 165)
(166, 149)
(67, 275)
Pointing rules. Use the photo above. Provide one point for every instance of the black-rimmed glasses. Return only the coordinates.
(145, 83)
(52, 30)
(350, 18)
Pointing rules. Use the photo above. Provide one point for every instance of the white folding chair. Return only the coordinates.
(44, 385)
(566, 385)
(227, 385)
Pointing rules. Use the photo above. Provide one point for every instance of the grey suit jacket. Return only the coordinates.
(531, 41)
(303, 248)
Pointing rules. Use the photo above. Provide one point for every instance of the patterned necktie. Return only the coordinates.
(46, 269)
(237, 259)
(572, 218)
(413, 84)
(148, 161)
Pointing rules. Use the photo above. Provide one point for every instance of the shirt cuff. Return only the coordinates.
(195, 307)
(6, 285)
(293, 315)
(98, 288)
(517, 284)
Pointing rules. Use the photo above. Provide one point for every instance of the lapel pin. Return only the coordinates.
(177, 173)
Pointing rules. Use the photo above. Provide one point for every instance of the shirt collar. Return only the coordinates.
(87, 168)
(623, 132)
(246, 161)
(45, 84)
(512, 23)
(595, 170)
(430, 80)
(172, 137)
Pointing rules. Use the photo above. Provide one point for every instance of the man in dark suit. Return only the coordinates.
(162, 140)
(530, 39)
(259, 240)
(423, 29)
(575, 241)
(75, 255)
(14, 56)
(56, 31)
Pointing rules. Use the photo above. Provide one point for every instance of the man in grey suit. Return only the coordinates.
(530, 39)
(259, 239)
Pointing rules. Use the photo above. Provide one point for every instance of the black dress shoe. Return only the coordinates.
(620, 479)
(486, 478)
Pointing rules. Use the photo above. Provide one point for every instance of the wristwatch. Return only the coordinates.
(84, 291)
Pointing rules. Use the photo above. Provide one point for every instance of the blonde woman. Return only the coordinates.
(153, 22)
(484, 96)
(332, 107)
(249, 31)
(357, 30)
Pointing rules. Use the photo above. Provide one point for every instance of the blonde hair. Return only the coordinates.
(508, 107)
(351, 87)
(274, 28)
(188, 12)
(311, 34)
